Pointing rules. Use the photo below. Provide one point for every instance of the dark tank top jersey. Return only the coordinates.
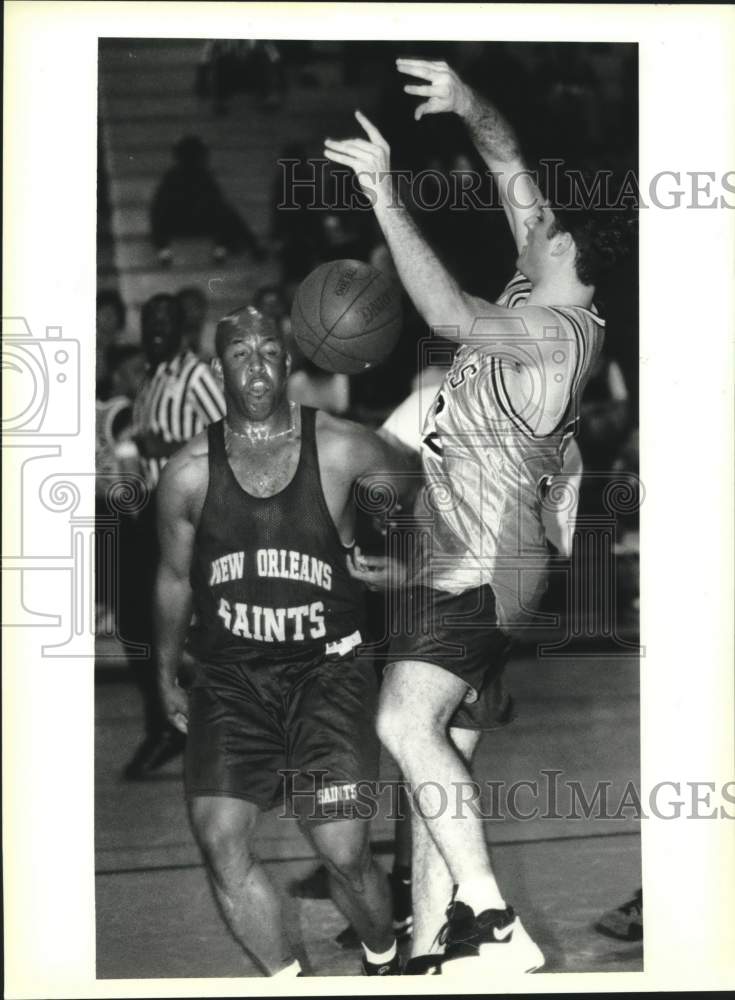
(269, 574)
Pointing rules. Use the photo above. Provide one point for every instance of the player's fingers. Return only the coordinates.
(423, 109)
(352, 146)
(343, 158)
(421, 90)
(180, 722)
(371, 130)
(425, 69)
(356, 563)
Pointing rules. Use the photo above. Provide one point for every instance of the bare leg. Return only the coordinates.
(431, 880)
(359, 887)
(417, 701)
(249, 903)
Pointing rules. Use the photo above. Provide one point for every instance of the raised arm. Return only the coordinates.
(449, 311)
(172, 600)
(493, 136)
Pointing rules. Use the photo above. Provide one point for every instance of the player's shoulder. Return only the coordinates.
(542, 319)
(346, 440)
(341, 430)
(188, 469)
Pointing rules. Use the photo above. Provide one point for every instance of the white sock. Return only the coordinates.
(380, 958)
(289, 972)
(480, 894)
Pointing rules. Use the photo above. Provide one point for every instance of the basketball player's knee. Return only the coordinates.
(405, 730)
(348, 861)
(222, 837)
(391, 724)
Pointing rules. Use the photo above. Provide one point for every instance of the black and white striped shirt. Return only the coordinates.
(177, 401)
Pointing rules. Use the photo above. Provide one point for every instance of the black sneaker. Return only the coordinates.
(424, 965)
(624, 923)
(400, 889)
(392, 968)
(495, 935)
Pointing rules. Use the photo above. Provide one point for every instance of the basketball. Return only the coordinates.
(347, 316)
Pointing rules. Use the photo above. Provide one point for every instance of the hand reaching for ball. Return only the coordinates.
(443, 90)
(369, 158)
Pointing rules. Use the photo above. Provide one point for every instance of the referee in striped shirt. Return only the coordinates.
(179, 399)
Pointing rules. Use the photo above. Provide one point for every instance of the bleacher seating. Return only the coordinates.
(148, 102)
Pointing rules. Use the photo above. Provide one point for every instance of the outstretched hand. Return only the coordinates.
(369, 158)
(443, 90)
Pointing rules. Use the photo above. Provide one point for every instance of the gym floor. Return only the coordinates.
(155, 913)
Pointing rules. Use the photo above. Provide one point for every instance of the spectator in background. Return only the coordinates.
(627, 547)
(189, 202)
(231, 65)
(115, 455)
(312, 386)
(110, 332)
(179, 398)
(272, 301)
(193, 304)
(295, 193)
(605, 414)
(114, 445)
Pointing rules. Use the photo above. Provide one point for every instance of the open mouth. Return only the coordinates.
(258, 387)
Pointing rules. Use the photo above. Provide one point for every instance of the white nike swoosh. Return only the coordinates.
(506, 935)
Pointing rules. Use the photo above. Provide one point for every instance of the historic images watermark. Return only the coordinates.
(52, 525)
(315, 184)
(552, 795)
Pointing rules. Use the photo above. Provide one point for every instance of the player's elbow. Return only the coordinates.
(451, 316)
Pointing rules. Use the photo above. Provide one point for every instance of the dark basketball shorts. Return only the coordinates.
(296, 734)
(459, 633)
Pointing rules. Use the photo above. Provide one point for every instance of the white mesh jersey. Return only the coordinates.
(487, 469)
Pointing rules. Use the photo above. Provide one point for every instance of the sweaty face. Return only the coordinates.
(255, 367)
(535, 252)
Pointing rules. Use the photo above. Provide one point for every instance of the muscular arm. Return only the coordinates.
(378, 464)
(387, 476)
(172, 600)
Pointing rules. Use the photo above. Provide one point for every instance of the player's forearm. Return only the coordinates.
(494, 137)
(172, 614)
(434, 292)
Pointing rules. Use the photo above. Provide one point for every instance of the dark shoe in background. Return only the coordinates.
(625, 922)
(156, 750)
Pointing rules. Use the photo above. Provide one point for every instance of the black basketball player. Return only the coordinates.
(256, 519)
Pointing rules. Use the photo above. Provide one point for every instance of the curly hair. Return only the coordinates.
(583, 200)
(602, 239)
